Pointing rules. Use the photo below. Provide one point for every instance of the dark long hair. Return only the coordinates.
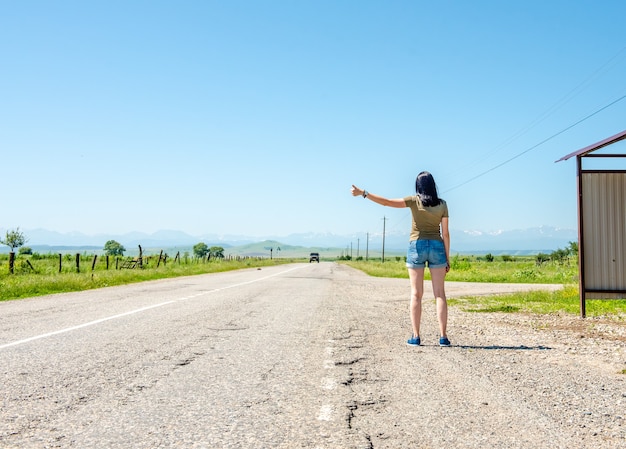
(426, 189)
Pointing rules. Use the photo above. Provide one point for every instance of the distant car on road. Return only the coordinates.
(314, 257)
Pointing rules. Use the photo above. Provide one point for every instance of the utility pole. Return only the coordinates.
(384, 223)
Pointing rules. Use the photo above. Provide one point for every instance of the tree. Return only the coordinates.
(541, 258)
(217, 252)
(14, 239)
(25, 250)
(573, 248)
(113, 248)
(200, 250)
(560, 255)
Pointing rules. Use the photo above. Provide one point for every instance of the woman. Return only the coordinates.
(429, 243)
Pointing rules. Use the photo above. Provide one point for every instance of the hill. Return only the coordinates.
(543, 239)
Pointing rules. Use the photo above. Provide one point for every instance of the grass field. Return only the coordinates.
(521, 269)
(515, 270)
(47, 279)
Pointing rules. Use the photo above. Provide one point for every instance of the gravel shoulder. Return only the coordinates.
(508, 381)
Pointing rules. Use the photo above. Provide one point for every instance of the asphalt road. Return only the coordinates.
(225, 360)
(295, 356)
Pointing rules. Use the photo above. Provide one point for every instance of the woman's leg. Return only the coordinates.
(438, 276)
(416, 275)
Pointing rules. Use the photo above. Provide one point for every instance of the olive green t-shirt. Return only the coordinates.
(426, 219)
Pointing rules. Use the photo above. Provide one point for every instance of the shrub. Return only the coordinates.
(460, 264)
(525, 274)
(541, 258)
(560, 255)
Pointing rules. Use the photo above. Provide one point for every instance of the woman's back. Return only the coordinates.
(426, 220)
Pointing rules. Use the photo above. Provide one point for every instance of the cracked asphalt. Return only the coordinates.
(295, 356)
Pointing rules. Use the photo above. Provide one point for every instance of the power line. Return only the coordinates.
(531, 148)
(604, 68)
(537, 145)
(551, 110)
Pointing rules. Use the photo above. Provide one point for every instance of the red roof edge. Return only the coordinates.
(596, 146)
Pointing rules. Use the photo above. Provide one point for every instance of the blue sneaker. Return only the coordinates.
(443, 341)
(413, 341)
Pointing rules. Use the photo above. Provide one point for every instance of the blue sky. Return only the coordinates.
(255, 117)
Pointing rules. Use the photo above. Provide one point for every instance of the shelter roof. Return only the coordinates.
(596, 146)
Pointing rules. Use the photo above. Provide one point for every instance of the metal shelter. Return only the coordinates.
(601, 225)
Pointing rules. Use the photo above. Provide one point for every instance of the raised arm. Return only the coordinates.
(397, 202)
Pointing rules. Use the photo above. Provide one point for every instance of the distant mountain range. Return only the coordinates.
(521, 241)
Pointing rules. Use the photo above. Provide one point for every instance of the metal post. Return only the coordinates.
(581, 243)
(384, 222)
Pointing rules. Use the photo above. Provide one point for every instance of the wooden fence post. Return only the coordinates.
(159, 262)
(78, 262)
(11, 262)
(140, 258)
(107, 259)
(60, 262)
(93, 264)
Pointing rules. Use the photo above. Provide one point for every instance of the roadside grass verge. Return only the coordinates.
(472, 269)
(565, 301)
(48, 282)
(523, 270)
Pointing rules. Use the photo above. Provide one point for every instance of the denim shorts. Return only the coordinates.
(422, 251)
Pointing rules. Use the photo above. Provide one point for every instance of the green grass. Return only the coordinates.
(521, 270)
(563, 301)
(473, 269)
(47, 280)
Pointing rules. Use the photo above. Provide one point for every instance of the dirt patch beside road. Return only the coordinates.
(508, 381)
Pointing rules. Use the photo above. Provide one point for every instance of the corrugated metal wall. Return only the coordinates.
(604, 232)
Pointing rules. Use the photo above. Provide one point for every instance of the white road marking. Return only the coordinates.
(329, 363)
(142, 309)
(328, 383)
